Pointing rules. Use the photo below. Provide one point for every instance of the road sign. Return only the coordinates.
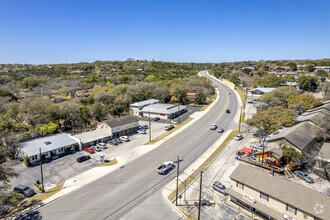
(191, 95)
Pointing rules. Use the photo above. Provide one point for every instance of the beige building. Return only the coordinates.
(273, 197)
(120, 126)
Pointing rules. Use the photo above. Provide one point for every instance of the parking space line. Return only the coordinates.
(81, 195)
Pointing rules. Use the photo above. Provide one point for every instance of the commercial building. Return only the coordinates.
(93, 137)
(135, 108)
(120, 126)
(163, 111)
(260, 91)
(51, 147)
(273, 197)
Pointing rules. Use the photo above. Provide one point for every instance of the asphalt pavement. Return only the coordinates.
(115, 194)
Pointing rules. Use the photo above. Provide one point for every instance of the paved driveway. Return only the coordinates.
(63, 168)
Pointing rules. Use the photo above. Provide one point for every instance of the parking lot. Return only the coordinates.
(58, 170)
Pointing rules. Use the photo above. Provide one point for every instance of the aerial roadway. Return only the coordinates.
(115, 194)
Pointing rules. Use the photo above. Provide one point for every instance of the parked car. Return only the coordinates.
(304, 176)
(83, 158)
(124, 138)
(250, 102)
(220, 130)
(205, 202)
(156, 118)
(229, 92)
(238, 137)
(102, 145)
(228, 111)
(165, 167)
(169, 127)
(217, 186)
(142, 131)
(258, 146)
(89, 150)
(97, 148)
(119, 141)
(213, 127)
(25, 190)
(143, 127)
(113, 142)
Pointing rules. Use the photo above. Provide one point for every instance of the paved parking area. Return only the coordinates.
(59, 170)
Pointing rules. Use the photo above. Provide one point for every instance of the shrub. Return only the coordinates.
(27, 161)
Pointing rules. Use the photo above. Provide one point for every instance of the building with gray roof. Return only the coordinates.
(135, 108)
(92, 137)
(274, 197)
(51, 146)
(164, 111)
(260, 90)
(120, 126)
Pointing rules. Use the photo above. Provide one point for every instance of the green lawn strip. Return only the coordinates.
(206, 163)
(204, 107)
(108, 163)
(241, 94)
(243, 118)
(160, 137)
(34, 200)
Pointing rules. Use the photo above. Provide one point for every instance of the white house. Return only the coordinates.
(120, 126)
(51, 146)
(325, 68)
(260, 91)
(164, 111)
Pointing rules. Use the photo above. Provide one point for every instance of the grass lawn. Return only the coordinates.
(206, 163)
(160, 137)
(108, 163)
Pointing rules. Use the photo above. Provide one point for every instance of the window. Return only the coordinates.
(240, 185)
(264, 196)
(34, 157)
(291, 209)
(61, 150)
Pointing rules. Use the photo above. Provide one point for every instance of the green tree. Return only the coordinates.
(48, 129)
(279, 96)
(303, 102)
(290, 154)
(308, 83)
(292, 65)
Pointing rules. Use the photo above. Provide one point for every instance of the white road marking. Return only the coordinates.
(147, 158)
(195, 149)
(80, 195)
(120, 174)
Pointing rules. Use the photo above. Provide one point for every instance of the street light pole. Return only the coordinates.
(177, 183)
(42, 175)
(240, 116)
(149, 128)
(200, 198)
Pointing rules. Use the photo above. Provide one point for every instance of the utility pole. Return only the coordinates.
(185, 189)
(149, 128)
(200, 198)
(42, 175)
(177, 183)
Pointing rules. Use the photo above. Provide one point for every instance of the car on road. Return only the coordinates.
(217, 186)
(220, 130)
(83, 158)
(228, 111)
(142, 131)
(205, 202)
(165, 167)
(102, 145)
(89, 150)
(156, 118)
(213, 127)
(25, 190)
(238, 137)
(229, 92)
(124, 138)
(169, 127)
(304, 176)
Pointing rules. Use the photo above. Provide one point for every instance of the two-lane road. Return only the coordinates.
(113, 195)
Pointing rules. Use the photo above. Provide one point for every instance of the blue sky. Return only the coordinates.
(69, 31)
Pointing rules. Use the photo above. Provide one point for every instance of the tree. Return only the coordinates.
(290, 154)
(303, 102)
(293, 66)
(321, 73)
(279, 96)
(308, 83)
(48, 129)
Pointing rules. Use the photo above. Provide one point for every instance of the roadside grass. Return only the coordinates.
(206, 163)
(108, 163)
(243, 118)
(160, 137)
(204, 107)
(34, 200)
(241, 94)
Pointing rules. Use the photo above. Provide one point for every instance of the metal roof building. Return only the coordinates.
(166, 111)
(98, 135)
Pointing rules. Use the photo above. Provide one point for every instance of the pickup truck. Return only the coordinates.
(165, 167)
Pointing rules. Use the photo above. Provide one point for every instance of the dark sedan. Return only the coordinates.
(83, 158)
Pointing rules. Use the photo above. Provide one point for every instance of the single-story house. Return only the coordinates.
(274, 197)
(301, 136)
(51, 146)
(302, 68)
(323, 157)
(319, 117)
(120, 126)
(260, 91)
(281, 68)
(325, 68)
(272, 157)
(163, 111)
(135, 108)
(92, 137)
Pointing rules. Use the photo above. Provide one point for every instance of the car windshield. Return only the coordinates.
(26, 188)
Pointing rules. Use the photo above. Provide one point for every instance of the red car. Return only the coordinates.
(89, 150)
